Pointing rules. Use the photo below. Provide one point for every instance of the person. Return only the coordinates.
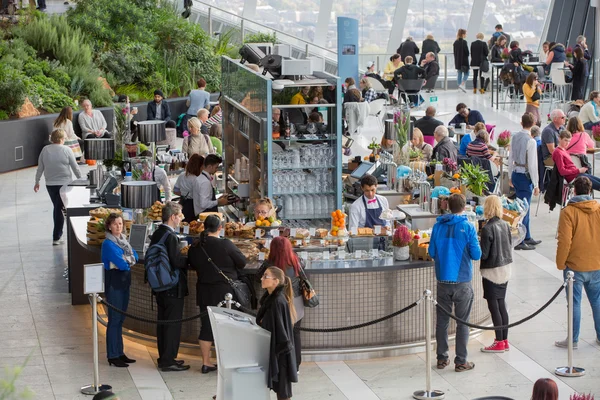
(453, 245)
(197, 142)
(365, 212)
(197, 99)
(211, 286)
(479, 53)
(581, 43)
(170, 302)
(589, 113)
(392, 65)
(316, 92)
(118, 257)
(550, 135)
(92, 122)
(461, 59)
(523, 173)
(64, 121)
(330, 94)
(545, 389)
(264, 208)
(207, 200)
(187, 186)
(495, 267)
(431, 66)
(580, 140)
(467, 139)
(580, 73)
(277, 315)
(215, 133)
(429, 46)
(515, 55)
(282, 256)
(408, 48)
(371, 73)
(159, 110)
(368, 93)
(498, 49)
(418, 143)
(216, 117)
(536, 133)
(499, 32)
(428, 123)
(160, 177)
(56, 162)
(203, 115)
(578, 225)
(409, 71)
(478, 147)
(301, 96)
(556, 54)
(353, 96)
(445, 148)
(566, 168)
(530, 88)
(466, 115)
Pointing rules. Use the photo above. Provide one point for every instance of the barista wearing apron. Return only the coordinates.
(187, 184)
(205, 199)
(365, 211)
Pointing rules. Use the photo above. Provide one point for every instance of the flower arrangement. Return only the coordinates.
(578, 396)
(474, 177)
(415, 154)
(569, 52)
(596, 132)
(402, 237)
(505, 54)
(402, 125)
(450, 165)
(503, 139)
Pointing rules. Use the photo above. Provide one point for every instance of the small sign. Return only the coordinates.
(341, 254)
(433, 99)
(375, 253)
(268, 243)
(326, 255)
(186, 229)
(274, 232)
(358, 253)
(354, 231)
(377, 229)
(298, 243)
(322, 242)
(93, 278)
(261, 256)
(304, 255)
(312, 231)
(258, 233)
(292, 232)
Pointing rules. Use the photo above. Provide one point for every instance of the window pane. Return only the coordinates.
(298, 18)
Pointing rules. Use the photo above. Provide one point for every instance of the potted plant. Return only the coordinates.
(475, 179)
(569, 54)
(402, 125)
(596, 134)
(503, 141)
(401, 240)
(415, 154)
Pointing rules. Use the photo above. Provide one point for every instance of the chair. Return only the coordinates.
(410, 87)
(376, 110)
(559, 84)
(491, 129)
(376, 85)
(430, 84)
(296, 116)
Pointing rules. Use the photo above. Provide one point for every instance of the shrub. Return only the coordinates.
(260, 37)
(3, 115)
(12, 87)
(130, 64)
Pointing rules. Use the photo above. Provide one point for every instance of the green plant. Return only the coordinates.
(12, 87)
(415, 153)
(3, 115)
(474, 177)
(260, 37)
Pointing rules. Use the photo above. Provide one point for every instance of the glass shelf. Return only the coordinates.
(291, 193)
(296, 168)
(292, 139)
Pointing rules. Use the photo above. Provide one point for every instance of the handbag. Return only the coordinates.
(311, 300)
(536, 96)
(241, 291)
(485, 65)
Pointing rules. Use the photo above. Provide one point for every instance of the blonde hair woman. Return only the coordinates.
(479, 55)
(417, 143)
(496, 262)
(196, 142)
(429, 45)
(65, 121)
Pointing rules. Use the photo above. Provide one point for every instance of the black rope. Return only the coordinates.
(493, 328)
(153, 321)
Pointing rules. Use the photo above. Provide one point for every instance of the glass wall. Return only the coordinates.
(298, 18)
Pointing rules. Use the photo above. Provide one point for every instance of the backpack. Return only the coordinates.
(159, 273)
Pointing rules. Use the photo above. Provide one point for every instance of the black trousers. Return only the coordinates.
(297, 344)
(482, 79)
(499, 313)
(59, 218)
(168, 336)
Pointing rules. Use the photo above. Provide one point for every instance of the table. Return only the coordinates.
(495, 67)
(458, 135)
(593, 153)
(421, 113)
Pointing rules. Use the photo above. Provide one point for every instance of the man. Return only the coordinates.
(496, 35)
(365, 210)
(207, 201)
(466, 115)
(445, 148)
(408, 48)
(160, 177)
(453, 246)
(550, 135)
(92, 122)
(523, 173)
(428, 123)
(431, 66)
(577, 251)
(159, 109)
(372, 74)
(203, 115)
(170, 302)
(409, 71)
(582, 43)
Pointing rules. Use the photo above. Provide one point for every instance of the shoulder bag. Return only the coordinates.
(485, 65)
(311, 300)
(241, 291)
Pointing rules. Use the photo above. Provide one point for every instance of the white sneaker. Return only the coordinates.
(564, 344)
(57, 242)
(461, 87)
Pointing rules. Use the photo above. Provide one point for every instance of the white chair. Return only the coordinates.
(376, 85)
(376, 110)
(559, 84)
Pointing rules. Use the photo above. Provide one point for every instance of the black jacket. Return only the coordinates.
(432, 69)
(445, 149)
(175, 259)
(409, 71)
(461, 54)
(427, 125)
(496, 54)
(429, 46)
(516, 56)
(479, 52)
(274, 316)
(496, 244)
(554, 189)
(166, 111)
(408, 48)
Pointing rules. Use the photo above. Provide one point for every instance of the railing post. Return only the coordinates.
(243, 35)
(445, 72)
(210, 26)
(95, 387)
(570, 370)
(306, 51)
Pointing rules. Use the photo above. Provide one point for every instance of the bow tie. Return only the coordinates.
(372, 201)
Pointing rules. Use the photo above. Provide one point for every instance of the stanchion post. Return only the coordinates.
(96, 387)
(228, 300)
(428, 393)
(570, 370)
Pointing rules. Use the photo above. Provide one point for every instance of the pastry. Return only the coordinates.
(365, 231)
(204, 215)
(321, 233)
(302, 233)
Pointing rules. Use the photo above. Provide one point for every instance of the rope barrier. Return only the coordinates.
(152, 321)
(493, 328)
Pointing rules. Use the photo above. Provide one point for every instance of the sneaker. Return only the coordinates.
(462, 88)
(57, 242)
(564, 344)
(496, 347)
(506, 346)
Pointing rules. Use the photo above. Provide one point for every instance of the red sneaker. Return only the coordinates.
(506, 346)
(496, 347)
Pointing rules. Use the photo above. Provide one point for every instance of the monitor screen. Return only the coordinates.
(361, 170)
(137, 237)
(349, 50)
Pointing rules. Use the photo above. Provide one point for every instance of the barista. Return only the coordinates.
(365, 211)
(205, 199)
(160, 177)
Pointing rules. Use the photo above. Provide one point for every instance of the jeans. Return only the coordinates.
(462, 77)
(595, 181)
(590, 125)
(461, 296)
(524, 188)
(591, 282)
(114, 328)
(59, 218)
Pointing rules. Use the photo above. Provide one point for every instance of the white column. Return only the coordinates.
(249, 11)
(596, 5)
(323, 22)
(398, 25)
(475, 19)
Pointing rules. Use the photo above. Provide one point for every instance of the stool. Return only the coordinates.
(170, 140)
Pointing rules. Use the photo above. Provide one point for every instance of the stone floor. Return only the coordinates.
(51, 340)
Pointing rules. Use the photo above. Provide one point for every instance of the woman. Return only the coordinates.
(392, 65)
(215, 133)
(56, 162)
(479, 53)
(429, 45)
(117, 257)
(590, 112)
(186, 187)
(277, 315)
(545, 50)
(498, 49)
(580, 140)
(352, 94)
(466, 139)
(216, 116)
(316, 91)
(545, 389)
(566, 168)
(368, 93)
(530, 88)
(196, 142)
(516, 54)
(461, 59)
(212, 287)
(301, 96)
(479, 146)
(496, 264)
(556, 54)
(417, 143)
(65, 121)
(580, 73)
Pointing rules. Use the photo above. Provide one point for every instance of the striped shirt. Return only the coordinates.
(477, 148)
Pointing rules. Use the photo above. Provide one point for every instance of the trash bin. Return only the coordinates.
(242, 354)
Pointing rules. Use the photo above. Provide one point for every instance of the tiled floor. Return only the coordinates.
(39, 327)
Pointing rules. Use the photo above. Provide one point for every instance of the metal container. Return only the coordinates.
(138, 194)
(425, 194)
(152, 131)
(99, 149)
(390, 129)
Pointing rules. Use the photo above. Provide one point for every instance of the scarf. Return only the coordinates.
(124, 245)
(265, 301)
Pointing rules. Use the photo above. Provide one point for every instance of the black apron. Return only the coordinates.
(187, 207)
(214, 196)
(372, 214)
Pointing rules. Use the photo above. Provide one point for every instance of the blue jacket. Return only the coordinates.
(453, 245)
(464, 143)
(116, 279)
(473, 118)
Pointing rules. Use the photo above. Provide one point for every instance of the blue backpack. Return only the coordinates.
(159, 273)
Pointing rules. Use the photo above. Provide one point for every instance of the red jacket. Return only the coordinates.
(565, 165)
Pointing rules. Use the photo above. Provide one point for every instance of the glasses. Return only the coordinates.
(267, 277)
(262, 212)
(563, 117)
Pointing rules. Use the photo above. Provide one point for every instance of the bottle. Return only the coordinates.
(128, 176)
(287, 126)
